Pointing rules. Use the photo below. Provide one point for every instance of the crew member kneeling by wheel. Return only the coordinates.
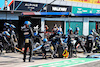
(43, 48)
(27, 30)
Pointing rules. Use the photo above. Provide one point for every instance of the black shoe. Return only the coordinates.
(29, 60)
(45, 57)
(23, 60)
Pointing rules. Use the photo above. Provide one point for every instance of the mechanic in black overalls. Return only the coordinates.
(6, 40)
(71, 37)
(54, 39)
(13, 38)
(28, 33)
(6, 37)
(90, 40)
(78, 40)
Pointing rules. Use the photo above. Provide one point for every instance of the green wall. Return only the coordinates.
(73, 25)
(83, 10)
(92, 25)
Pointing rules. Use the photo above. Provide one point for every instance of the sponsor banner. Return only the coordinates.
(36, 7)
(96, 2)
(83, 10)
(58, 8)
(87, 1)
(28, 6)
(2, 3)
(95, 10)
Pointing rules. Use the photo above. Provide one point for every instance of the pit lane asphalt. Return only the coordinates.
(15, 60)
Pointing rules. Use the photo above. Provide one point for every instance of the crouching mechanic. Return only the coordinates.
(28, 33)
(43, 48)
(6, 40)
(47, 48)
(13, 38)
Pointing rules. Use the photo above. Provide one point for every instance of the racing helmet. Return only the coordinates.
(6, 24)
(45, 40)
(6, 33)
(27, 23)
(35, 34)
(70, 29)
(12, 26)
(59, 33)
(91, 33)
(97, 38)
